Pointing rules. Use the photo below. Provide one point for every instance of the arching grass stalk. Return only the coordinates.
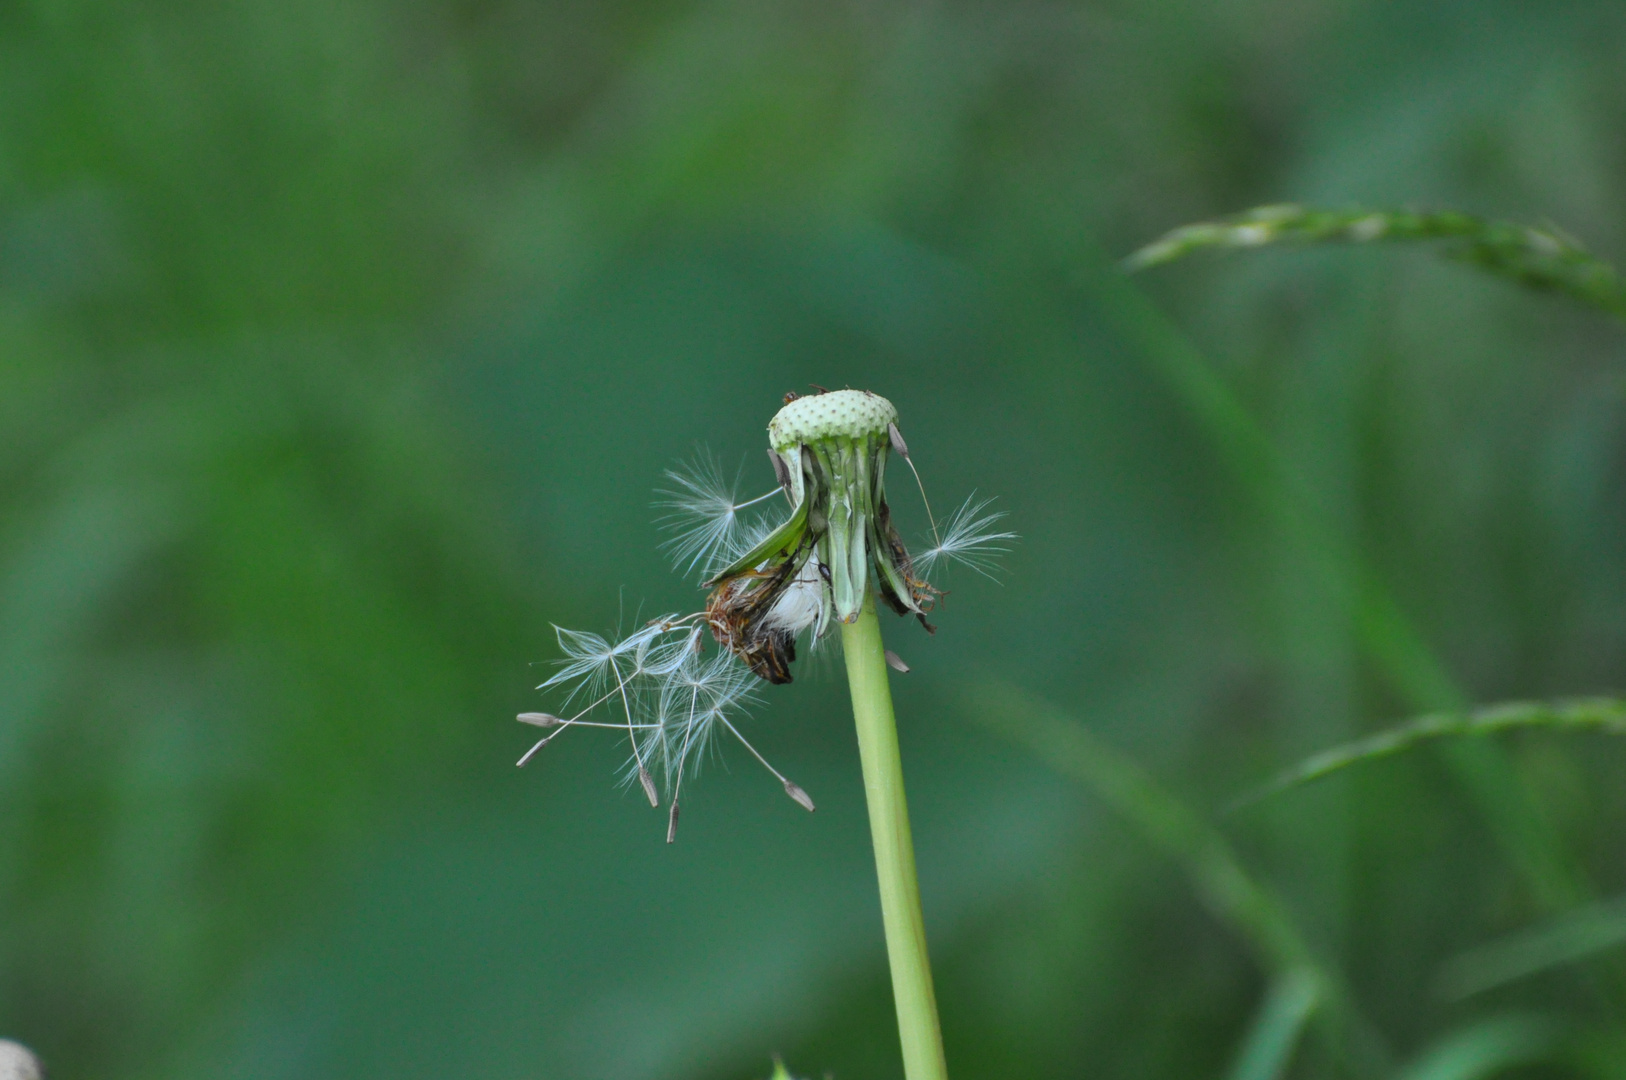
(1217, 873)
(1607, 715)
(1536, 257)
(918, 1028)
(1400, 654)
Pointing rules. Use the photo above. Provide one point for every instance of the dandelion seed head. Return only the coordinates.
(772, 576)
(846, 414)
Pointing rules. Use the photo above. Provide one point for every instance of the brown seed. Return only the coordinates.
(800, 796)
(649, 786)
(781, 471)
(671, 824)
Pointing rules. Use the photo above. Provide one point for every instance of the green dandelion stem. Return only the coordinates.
(1607, 715)
(918, 1028)
(1536, 257)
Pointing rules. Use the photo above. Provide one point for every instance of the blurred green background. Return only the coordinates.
(343, 344)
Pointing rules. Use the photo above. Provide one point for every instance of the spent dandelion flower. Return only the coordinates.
(775, 580)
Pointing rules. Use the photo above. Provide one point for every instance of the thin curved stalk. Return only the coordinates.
(1607, 715)
(1400, 654)
(1541, 258)
(1224, 885)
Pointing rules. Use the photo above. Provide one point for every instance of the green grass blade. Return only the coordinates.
(1607, 715)
(1072, 750)
(1399, 653)
(1536, 257)
(1570, 938)
(1275, 1034)
(1220, 880)
(1484, 1049)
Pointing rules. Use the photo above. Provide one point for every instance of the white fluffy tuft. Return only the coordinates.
(970, 538)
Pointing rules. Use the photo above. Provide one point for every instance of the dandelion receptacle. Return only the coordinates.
(828, 559)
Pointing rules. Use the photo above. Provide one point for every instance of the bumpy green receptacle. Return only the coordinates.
(841, 414)
(836, 445)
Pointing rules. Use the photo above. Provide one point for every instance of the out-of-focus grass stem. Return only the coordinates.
(1606, 715)
(1222, 883)
(1397, 651)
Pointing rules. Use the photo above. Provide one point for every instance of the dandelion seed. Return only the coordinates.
(898, 444)
(781, 471)
(895, 662)
(556, 722)
(970, 539)
(529, 754)
(626, 702)
(802, 798)
(686, 710)
(702, 513)
(791, 789)
(802, 605)
(587, 658)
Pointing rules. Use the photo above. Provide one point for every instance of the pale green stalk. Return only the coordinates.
(918, 1028)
